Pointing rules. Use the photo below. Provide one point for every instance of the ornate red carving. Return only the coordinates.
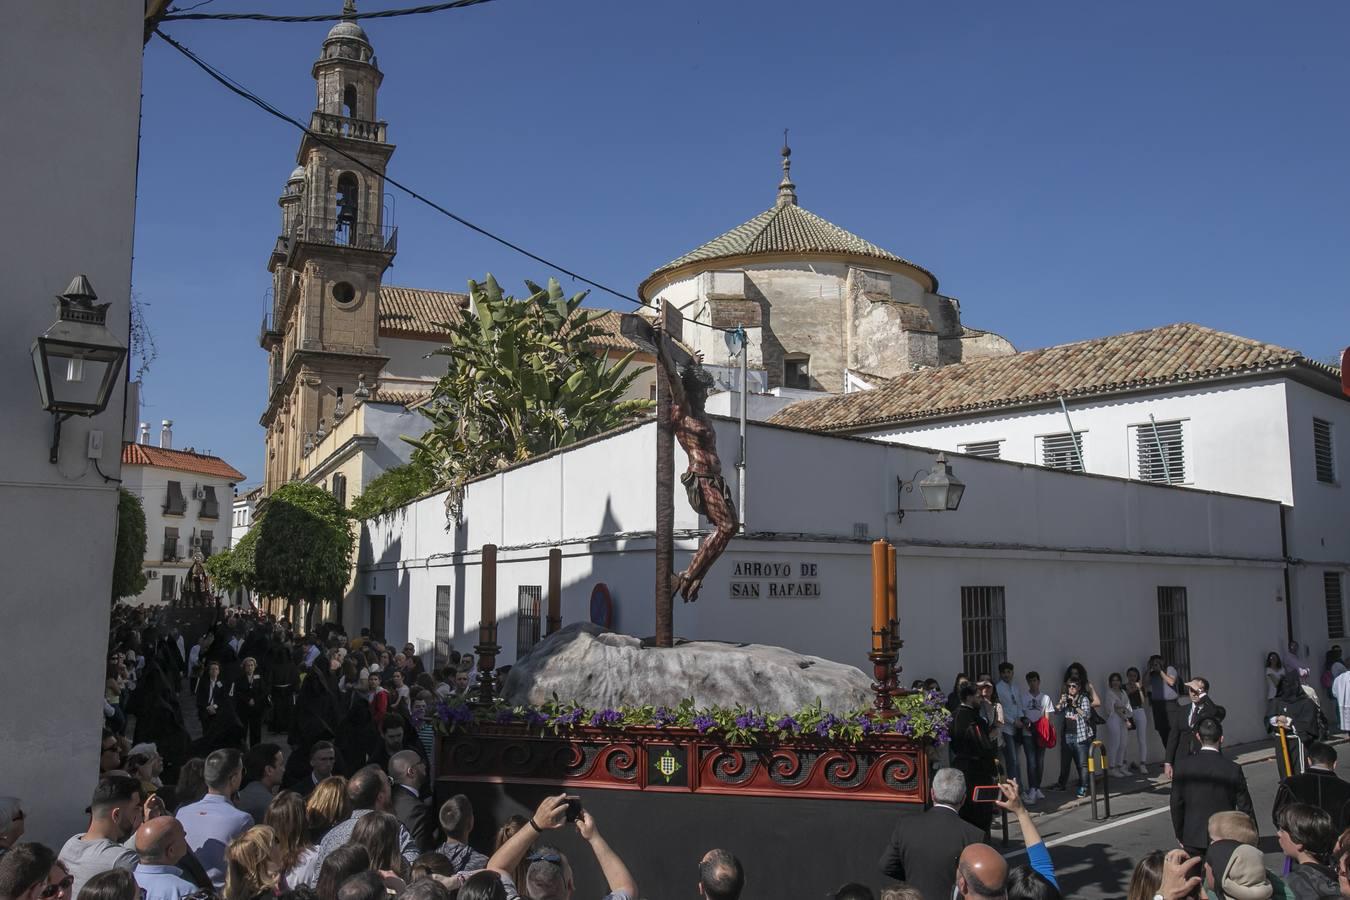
(886, 767)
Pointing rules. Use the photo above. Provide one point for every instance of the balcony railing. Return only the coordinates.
(341, 126)
(337, 233)
(267, 332)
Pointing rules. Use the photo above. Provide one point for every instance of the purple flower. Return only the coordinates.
(534, 718)
(904, 726)
(443, 711)
(505, 717)
(664, 717)
(866, 725)
(459, 715)
(744, 721)
(703, 722)
(571, 717)
(827, 723)
(607, 718)
(787, 724)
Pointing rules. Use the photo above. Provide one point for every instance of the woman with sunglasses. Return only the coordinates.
(1076, 735)
(31, 872)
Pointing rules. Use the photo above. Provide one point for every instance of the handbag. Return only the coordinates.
(1046, 737)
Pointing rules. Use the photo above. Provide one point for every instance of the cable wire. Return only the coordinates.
(185, 16)
(237, 88)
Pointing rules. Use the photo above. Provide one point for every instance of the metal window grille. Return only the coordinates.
(987, 449)
(528, 604)
(1161, 452)
(1063, 451)
(443, 601)
(207, 539)
(340, 489)
(1331, 589)
(210, 506)
(166, 584)
(1324, 451)
(170, 544)
(984, 629)
(1174, 635)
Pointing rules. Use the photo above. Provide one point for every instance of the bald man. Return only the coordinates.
(161, 843)
(408, 773)
(981, 873)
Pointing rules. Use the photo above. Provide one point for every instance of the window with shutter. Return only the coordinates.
(987, 449)
(166, 588)
(1331, 589)
(443, 600)
(170, 544)
(340, 489)
(1160, 452)
(175, 504)
(207, 540)
(210, 508)
(984, 629)
(1323, 451)
(1063, 451)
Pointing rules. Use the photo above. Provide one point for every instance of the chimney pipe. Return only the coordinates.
(166, 434)
(145, 433)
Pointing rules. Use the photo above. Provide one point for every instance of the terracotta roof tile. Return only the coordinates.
(402, 398)
(181, 460)
(787, 229)
(416, 313)
(1171, 354)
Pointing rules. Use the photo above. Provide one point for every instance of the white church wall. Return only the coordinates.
(1079, 558)
(409, 363)
(1235, 433)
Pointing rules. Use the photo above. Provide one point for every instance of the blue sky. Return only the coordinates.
(1068, 170)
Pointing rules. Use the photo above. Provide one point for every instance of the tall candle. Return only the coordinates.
(487, 631)
(892, 586)
(879, 604)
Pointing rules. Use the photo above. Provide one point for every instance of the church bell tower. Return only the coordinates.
(335, 245)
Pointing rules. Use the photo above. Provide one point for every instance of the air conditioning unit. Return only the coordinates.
(199, 493)
(151, 575)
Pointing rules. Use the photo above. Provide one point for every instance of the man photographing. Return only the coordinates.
(549, 876)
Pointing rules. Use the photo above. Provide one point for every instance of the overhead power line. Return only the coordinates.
(236, 88)
(186, 16)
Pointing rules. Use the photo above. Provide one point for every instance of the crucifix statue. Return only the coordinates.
(681, 391)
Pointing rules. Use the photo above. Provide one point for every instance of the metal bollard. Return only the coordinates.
(1098, 751)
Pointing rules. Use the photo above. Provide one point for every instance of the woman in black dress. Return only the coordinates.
(250, 695)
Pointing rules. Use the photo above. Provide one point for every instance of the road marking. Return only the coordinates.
(1064, 839)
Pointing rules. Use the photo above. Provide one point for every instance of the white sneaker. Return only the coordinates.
(1040, 794)
(1029, 798)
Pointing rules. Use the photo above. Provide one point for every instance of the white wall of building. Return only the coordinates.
(1235, 434)
(151, 484)
(74, 70)
(409, 363)
(1080, 558)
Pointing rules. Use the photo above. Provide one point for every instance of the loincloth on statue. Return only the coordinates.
(691, 480)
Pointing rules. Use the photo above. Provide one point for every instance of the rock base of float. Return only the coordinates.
(600, 669)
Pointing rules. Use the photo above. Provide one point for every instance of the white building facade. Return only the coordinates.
(188, 500)
(78, 64)
(1181, 404)
(1036, 566)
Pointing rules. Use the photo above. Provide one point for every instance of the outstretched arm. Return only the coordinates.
(616, 873)
(550, 814)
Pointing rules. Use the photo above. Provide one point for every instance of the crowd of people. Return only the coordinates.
(342, 809)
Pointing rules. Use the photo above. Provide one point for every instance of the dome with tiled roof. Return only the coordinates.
(785, 229)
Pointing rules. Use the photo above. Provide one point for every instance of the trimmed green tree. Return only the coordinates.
(524, 377)
(299, 548)
(129, 556)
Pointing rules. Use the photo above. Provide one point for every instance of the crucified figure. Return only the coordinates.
(703, 481)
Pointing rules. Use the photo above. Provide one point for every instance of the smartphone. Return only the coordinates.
(985, 793)
(573, 808)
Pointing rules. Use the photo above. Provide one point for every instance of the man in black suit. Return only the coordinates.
(1318, 786)
(1203, 785)
(1182, 740)
(408, 772)
(925, 848)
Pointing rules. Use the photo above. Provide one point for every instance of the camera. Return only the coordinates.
(573, 808)
(985, 793)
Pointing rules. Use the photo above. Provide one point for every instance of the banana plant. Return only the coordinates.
(523, 377)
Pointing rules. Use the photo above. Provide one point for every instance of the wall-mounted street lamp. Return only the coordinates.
(78, 359)
(941, 489)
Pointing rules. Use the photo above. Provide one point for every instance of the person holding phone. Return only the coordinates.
(550, 873)
(1076, 736)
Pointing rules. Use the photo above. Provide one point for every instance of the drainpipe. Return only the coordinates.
(1073, 435)
(1288, 594)
(745, 400)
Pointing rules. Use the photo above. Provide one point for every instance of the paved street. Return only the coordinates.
(1095, 859)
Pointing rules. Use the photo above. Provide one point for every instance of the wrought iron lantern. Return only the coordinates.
(940, 488)
(78, 359)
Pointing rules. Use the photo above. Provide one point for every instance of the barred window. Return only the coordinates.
(1160, 452)
(1331, 590)
(984, 629)
(528, 604)
(443, 601)
(1174, 636)
(1063, 451)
